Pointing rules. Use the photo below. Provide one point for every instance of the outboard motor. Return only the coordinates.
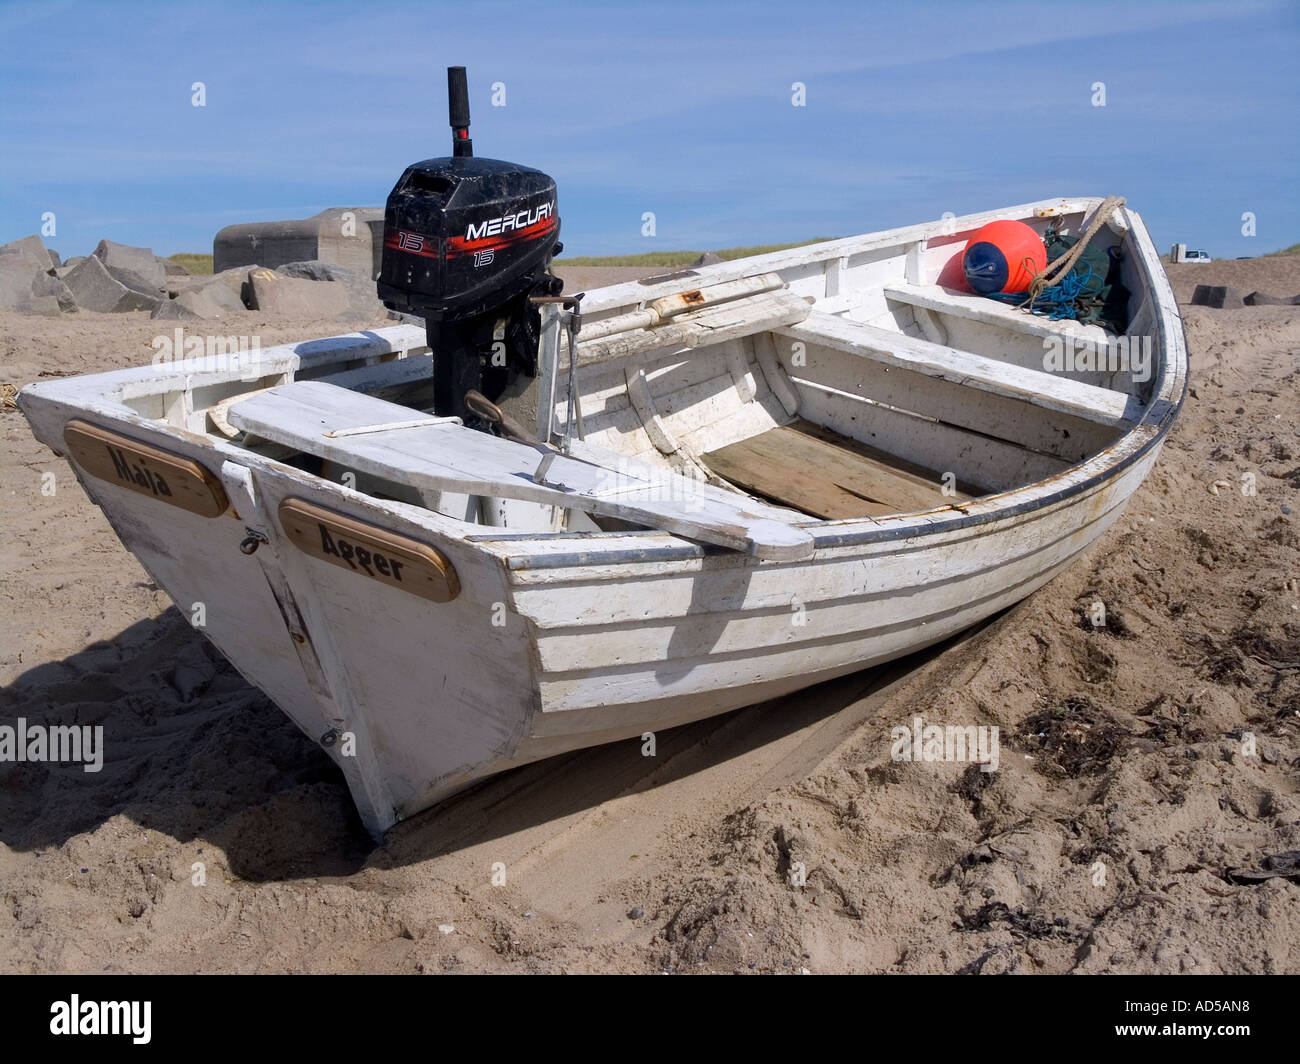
(467, 242)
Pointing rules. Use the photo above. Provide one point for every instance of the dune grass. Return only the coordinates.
(1294, 249)
(677, 258)
(193, 261)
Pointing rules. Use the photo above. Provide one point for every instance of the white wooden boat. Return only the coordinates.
(891, 463)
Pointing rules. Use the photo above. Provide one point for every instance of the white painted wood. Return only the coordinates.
(775, 376)
(714, 324)
(990, 312)
(931, 327)
(687, 301)
(638, 392)
(951, 402)
(738, 367)
(442, 456)
(561, 639)
(1036, 387)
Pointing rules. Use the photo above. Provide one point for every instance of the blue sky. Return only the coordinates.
(683, 109)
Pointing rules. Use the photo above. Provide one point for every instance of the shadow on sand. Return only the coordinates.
(192, 751)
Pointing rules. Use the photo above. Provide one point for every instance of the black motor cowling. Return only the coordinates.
(466, 242)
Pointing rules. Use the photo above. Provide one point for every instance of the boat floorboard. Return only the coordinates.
(827, 475)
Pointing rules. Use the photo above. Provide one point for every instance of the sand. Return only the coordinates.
(1103, 844)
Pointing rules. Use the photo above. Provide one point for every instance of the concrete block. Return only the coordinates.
(18, 276)
(363, 300)
(224, 297)
(32, 248)
(234, 281)
(1263, 299)
(45, 305)
(1221, 297)
(173, 310)
(137, 268)
(274, 293)
(94, 288)
(45, 285)
(192, 306)
(347, 236)
(351, 237)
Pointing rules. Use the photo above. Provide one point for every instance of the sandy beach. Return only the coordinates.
(1129, 801)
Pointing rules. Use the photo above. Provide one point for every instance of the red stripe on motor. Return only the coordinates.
(458, 245)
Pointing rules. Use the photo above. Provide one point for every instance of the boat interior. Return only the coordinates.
(841, 381)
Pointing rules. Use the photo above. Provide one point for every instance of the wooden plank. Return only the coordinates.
(991, 465)
(828, 475)
(777, 380)
(1048, 390)
(1000, 417)
(738, 365)
(449, 457)
(988, 311)
(644, 406)
(714, 324)
(692, 299)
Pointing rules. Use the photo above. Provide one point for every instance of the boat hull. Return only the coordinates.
(534, 660)
(555, 642)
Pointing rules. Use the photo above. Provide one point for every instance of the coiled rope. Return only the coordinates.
(1055, 276)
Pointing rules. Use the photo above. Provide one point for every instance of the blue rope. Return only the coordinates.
(1060, 300)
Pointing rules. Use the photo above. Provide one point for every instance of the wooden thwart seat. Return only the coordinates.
(988, 311)
(828, 475)
(430, 454)
(1100, 405)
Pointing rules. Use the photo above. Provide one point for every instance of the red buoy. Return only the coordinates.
(1003, 256)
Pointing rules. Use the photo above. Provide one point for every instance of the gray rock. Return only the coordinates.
(192, 306)
(18, 276)
(274, 293)
(134, 300)
(315, 270)
(76, 260)
(137, 268)
(1221, 297)
(234, 281)
(1263, 299)
(707, 259)
(47, 285)
(46, 305)
(363, 300)
(32, 248)
(175, 269)
(94, 288)
(54, 257)
(174, 310)
(29, 289)
(226, 298)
